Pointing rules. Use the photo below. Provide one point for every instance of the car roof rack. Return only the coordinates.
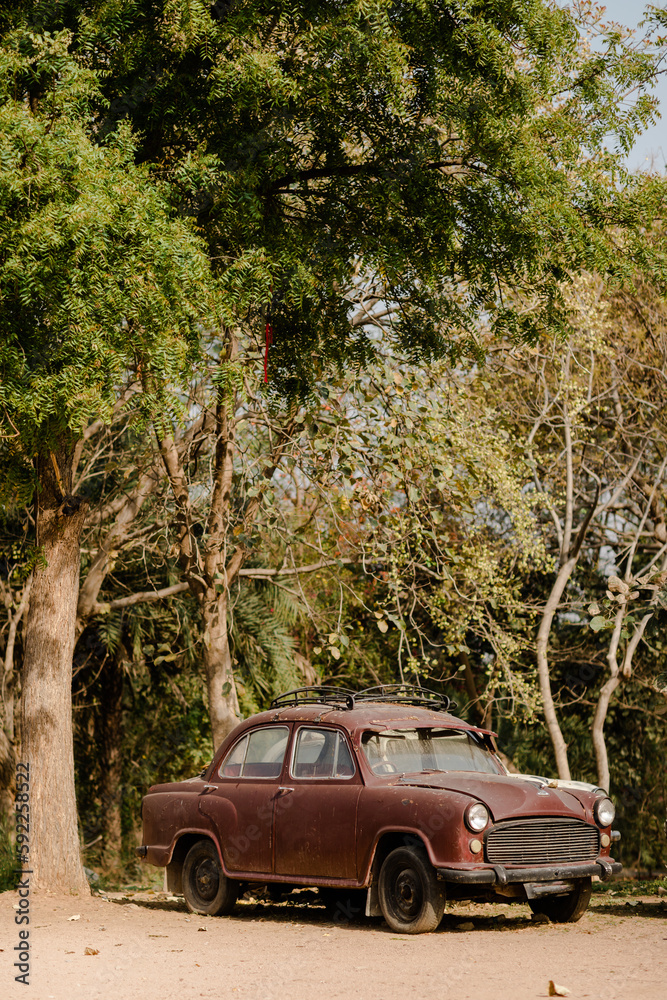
(316, 695)
(406, 694)
(344, 698)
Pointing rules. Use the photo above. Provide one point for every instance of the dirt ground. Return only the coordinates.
(146, 945)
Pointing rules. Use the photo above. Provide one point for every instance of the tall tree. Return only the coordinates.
(592, 419)
(96, 281)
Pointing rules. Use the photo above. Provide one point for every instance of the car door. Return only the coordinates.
(316, 817)
(240, 799)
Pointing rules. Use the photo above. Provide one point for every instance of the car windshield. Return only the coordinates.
(405, 751)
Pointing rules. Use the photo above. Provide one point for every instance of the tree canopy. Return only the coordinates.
(446, 151)
(96, 277)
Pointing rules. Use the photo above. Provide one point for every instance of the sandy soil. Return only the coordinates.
(148, 946)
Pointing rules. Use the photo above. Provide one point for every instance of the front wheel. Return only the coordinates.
(411, 898)
(205, 886)
(565, 909)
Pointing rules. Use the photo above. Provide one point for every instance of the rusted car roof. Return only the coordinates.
(367, 716)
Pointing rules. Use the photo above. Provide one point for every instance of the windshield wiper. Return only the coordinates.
(427, 770)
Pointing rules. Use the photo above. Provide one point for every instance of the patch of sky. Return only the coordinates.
(607, 561)
(650, 148)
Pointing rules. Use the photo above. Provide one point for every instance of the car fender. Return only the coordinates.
(434, 818)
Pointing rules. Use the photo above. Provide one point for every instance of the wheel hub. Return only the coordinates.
(207, 879)
(407, 893)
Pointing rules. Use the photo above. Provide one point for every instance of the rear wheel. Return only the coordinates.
(205, 886)
(565, 909)
(411, 898)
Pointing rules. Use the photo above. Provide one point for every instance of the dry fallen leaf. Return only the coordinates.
(557, 991)
(92, 951)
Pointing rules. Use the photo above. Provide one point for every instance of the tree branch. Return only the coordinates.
(149, 596)
(373, 169)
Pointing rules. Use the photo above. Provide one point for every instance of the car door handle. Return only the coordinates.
(209, 788)
(283, 791)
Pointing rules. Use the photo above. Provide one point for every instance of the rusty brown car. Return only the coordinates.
(383, 791)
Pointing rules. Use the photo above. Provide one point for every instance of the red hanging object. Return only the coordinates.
(268, 340)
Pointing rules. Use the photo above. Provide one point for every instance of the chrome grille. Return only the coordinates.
(542, 842)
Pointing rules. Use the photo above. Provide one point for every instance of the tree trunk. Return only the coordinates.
(205, 573)
(111, 761)
(114, 539)
(7, 729)
(609, 687)
(223, 702)
(599, 742)
(46, 702)
(475, 705)
(7, 777)
(551, 719)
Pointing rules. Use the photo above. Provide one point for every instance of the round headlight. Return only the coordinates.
(476, 817)
(604, 812)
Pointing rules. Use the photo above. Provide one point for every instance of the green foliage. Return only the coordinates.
(425, 491)
(449, 152)
(96, 278)
(8, 870)
(627, 887)
(227, 380)
(262, 631)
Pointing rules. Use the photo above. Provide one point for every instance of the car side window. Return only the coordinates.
(258, 754)
(233, 762)
(321, 753)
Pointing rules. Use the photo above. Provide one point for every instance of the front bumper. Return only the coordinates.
(499, 875)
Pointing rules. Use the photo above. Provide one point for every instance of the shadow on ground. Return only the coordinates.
(308, 907)
(639, 908)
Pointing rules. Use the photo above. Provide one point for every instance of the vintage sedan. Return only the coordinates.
(384, 791)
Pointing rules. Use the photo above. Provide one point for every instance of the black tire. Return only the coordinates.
(205, 886)
(411, 898)
(565, 909)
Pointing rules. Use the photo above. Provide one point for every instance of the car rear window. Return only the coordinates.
(321, 753)
(259, 754)
(406, 751)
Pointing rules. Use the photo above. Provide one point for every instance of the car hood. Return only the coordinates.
(506, 797)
